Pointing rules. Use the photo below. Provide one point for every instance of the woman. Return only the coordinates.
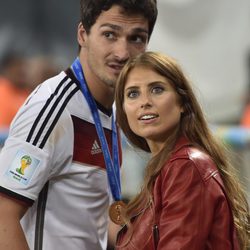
(190, 198)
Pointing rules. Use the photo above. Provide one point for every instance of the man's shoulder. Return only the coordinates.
(54, 82)
(46, 106)
(58, 88)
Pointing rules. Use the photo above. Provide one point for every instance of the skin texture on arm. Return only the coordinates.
(113, 229)
(11, 233)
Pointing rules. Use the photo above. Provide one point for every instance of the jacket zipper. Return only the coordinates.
(155, 235)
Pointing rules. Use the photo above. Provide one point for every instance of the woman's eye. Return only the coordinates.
(157, 90)
(132, 94)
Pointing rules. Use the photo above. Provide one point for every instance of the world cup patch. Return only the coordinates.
(22, 167)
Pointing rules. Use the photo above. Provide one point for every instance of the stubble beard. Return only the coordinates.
(108, 81)
(105, 79)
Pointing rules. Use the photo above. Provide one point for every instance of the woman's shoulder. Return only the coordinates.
(186, 156)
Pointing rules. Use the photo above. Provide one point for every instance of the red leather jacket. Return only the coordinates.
(190, 210)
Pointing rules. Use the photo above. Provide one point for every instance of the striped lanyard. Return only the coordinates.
(112, 166)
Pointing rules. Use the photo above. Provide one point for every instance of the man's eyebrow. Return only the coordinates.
(112, 26)
(117, 27)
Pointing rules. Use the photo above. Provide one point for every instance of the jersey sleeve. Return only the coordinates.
(36, 145)
(24, 169)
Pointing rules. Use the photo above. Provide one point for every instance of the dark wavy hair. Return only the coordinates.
(91, 9)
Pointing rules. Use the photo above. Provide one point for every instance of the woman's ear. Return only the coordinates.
(81, 35)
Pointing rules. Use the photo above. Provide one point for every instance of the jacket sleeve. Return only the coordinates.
(187, 209)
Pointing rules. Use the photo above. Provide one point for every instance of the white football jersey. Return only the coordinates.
(53, 161)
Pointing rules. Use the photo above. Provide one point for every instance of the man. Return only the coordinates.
(64, 195)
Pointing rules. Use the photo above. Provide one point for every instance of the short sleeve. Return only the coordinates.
(24, 169)
(37, 146)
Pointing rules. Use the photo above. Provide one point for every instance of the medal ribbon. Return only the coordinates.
(112, 166)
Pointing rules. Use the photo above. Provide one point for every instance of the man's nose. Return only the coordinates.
(121, 50)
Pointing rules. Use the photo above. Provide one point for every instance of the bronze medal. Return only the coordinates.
(116, 210)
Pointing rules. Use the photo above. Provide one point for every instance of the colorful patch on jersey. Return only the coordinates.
(22, 167)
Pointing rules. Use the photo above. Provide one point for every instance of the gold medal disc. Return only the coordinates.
(116, 210)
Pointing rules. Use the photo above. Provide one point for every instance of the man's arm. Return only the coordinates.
(11, 233)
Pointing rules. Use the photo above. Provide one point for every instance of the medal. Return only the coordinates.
(117, 211)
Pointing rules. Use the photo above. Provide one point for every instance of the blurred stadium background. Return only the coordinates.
(210, 39)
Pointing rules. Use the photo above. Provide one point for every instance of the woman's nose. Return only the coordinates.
(145, 101)
(146, 105)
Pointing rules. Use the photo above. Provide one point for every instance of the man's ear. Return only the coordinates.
(81, 35)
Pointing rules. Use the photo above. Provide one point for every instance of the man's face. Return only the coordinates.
(112, 40)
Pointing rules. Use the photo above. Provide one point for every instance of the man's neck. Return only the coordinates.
(101, 92)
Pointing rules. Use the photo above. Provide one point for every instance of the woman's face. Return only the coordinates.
(151, 105)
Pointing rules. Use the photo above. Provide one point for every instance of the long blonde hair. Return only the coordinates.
(194, 127)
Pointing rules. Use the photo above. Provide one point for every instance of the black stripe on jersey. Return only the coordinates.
(44, 108)
(58, 116)
(52, 110)
(62, 97)
(16, 196)
(41, 205)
